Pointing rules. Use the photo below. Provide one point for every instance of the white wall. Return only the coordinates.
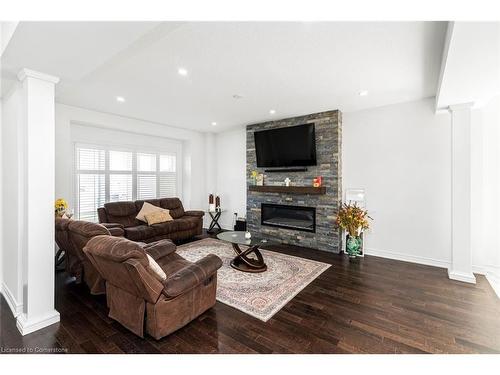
(1, 195)
(77, 124)
(485, 191)
(12, 163)
(1, 167)
(401, 156)
(230, 147)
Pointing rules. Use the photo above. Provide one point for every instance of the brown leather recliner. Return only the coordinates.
(72, 236)
(135, 294)
(186, 224)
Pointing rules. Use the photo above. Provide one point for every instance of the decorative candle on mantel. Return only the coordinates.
(317, 181)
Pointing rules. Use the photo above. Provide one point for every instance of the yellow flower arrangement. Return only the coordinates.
(353, 219)
(60, 207)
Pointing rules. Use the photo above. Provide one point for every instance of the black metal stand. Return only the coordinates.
(215, 221)
(60, 257)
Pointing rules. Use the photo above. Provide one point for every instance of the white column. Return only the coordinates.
(461, 255)
(38, 169)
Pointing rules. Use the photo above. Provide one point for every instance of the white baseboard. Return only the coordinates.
(492, 274)
(462, 276)
(408, 258)
(494, 281)
(15, 307)
(27, 326)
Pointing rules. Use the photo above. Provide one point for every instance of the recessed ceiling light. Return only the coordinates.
(182, 71)
(214, 123)
(363, 93)
(120, 99)
(272, 111)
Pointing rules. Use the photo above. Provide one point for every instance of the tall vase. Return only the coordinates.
(353, 246)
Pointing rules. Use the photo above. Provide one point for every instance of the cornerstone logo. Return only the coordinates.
(31, 350)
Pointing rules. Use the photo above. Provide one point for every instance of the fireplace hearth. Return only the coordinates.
(291, 217)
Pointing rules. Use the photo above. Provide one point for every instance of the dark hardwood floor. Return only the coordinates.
(373, 305)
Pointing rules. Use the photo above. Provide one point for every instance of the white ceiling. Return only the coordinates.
(294, 68)
(471, 64)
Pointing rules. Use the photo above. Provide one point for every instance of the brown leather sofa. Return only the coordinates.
(72, 236)
(136, 296)
(186, 224)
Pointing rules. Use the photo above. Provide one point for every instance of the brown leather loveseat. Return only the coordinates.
(136, 295)
(186, 224)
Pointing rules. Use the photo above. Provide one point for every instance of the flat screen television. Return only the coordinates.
(293, 146)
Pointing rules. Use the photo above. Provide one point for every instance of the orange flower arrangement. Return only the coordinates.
(353, 219)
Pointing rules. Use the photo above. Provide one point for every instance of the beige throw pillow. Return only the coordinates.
(147, 208)
(156, 269)
(158, 217)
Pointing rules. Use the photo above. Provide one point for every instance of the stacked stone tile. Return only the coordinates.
(328, 128)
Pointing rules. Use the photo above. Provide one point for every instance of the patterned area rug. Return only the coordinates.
(258, 294)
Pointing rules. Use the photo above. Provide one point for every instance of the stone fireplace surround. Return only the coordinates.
(328, 129)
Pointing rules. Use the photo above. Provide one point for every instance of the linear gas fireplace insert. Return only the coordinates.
(291, 217)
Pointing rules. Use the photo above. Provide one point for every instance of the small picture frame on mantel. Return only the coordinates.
(259, 181)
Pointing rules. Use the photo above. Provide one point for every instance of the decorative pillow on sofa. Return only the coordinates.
(147, 208)
(158, 217)
(156, 269)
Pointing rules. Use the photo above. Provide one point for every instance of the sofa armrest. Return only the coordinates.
(159, 249)
(112, 225)
(115, 229)
(117, 232)
(194, 213)
(191, 276)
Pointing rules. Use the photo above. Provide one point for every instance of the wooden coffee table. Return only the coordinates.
(249, 259)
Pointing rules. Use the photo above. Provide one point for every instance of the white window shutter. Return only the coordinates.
(91, 195)
(105, 175)
(120, 187)
(146, 186)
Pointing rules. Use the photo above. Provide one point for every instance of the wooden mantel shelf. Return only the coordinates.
(289, 189)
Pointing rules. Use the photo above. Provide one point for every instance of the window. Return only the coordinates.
(168, 175)
(108, 175)
(120, 176)
(91, 182)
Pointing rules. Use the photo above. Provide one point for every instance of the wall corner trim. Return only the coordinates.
(26, 326)
(24, 73)
(461, 106)
(15, 307)
(462, 276)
